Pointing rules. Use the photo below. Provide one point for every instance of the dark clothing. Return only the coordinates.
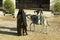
(21, 22)
(24, 18)
(24, 23)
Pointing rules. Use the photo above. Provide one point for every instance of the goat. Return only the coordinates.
(34, 21)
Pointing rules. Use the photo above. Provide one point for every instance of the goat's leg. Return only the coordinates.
(30, 25)
(34, 26)
(45, 28)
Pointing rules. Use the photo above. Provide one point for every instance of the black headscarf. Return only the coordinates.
(22, 17)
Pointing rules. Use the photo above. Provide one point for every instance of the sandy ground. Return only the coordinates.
(8, 29)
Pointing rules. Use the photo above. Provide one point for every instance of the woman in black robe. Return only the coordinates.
(21, 22)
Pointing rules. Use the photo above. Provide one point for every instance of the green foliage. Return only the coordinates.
(57, 7)
(9, 6)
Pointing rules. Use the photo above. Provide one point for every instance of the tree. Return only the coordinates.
(57, 6)
(9, 6)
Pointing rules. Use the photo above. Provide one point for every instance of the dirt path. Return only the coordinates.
(8, 30)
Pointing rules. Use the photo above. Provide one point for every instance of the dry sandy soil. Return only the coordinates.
(8, 29)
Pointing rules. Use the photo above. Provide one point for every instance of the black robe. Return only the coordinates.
(24, 19)
(21, 22)
(21, 18)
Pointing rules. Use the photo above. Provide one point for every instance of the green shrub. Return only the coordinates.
(57, 7)
(9, 6)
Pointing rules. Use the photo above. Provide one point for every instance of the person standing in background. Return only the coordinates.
(21, 23)
(24, 22)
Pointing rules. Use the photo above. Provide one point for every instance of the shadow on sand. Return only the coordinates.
(7, 32)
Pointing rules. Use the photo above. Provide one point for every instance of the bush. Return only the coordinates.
(9, 6)
(57, 7)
